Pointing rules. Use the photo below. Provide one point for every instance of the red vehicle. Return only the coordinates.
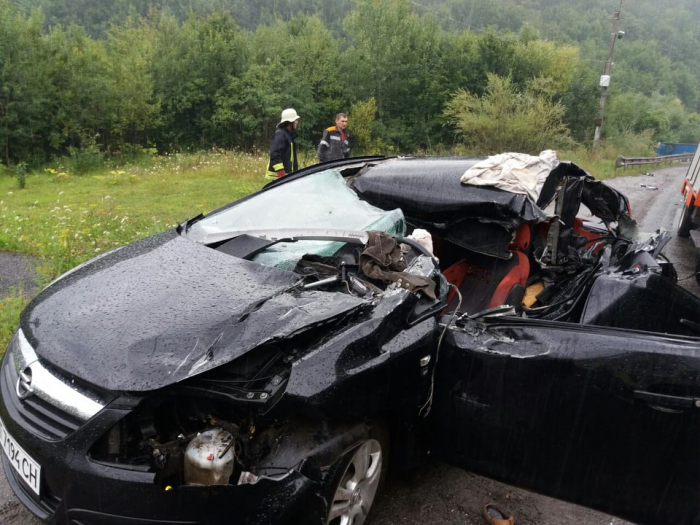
(691, 192)
(689, 223)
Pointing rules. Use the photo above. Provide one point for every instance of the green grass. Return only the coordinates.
(67, 219)
(10, 308)
(599, 166)
(601, 162)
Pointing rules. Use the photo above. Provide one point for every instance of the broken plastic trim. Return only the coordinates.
(248, 478)
(496, 311)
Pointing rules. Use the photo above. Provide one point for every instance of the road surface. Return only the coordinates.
(440, 494)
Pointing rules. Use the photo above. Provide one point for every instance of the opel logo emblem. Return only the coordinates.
(24, 383)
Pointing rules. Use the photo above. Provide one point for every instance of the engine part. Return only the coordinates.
(209, 458)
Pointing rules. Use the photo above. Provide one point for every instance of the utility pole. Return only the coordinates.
(605, 79)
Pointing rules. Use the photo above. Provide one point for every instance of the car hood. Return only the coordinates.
(166, 308)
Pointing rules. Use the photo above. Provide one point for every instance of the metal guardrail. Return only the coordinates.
(623, 162)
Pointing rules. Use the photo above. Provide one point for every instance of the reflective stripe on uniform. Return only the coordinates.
(291, 158)
(278, 167)
(325, 143)
(271, 175)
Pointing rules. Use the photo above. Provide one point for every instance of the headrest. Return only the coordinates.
(521, 239)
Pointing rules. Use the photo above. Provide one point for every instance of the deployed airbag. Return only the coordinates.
(513, 172)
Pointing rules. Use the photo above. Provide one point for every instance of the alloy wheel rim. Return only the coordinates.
(358, 486)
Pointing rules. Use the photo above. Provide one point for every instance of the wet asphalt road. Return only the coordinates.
(661, 208)
(440, 494)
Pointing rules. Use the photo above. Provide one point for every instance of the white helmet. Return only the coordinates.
(289, 115)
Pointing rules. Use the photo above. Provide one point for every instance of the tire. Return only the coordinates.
(685, 224)
(357, 480)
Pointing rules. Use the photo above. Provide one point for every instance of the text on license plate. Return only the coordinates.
(28, 469)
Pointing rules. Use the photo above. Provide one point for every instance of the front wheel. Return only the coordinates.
(356, 482)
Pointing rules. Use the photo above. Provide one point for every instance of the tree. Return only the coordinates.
(581, 102)
(363, 115)
(78, 71)
(504, 119)
(248, 107)
(309, 72)
(24, 86)
(190, 65)
(395, 57)
(135, 108)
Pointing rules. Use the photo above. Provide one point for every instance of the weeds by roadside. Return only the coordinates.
(601, 161)
(10, 308)
(66, 218)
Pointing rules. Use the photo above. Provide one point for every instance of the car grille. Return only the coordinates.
(34, 413)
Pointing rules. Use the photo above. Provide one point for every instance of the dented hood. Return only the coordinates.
(166, 308)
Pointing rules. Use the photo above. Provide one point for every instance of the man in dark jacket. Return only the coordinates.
(335, 143)
(283, 156)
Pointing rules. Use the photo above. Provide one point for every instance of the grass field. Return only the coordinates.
(66, 219)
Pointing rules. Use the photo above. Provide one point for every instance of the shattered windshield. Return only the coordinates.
(320, 200)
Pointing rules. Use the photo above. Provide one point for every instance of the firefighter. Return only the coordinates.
(283, 155)
(335, 143)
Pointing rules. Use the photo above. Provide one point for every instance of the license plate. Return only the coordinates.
(28, 469)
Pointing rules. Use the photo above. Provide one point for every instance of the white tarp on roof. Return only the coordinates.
(513, 172)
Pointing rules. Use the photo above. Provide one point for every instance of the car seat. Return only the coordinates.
(485, 282)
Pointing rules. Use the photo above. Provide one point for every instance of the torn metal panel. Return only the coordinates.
(498, 341)
(366, 368)
(603, 201)
(642, 301)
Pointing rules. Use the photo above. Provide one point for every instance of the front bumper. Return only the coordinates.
(76, 490)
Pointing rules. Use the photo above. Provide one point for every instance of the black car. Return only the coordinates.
(262, 364)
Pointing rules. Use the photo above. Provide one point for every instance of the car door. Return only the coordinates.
(604, 417)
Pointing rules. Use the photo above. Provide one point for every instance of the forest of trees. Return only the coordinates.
(117, 76)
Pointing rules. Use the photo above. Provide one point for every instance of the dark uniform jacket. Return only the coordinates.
(334, 145)
(283, 154)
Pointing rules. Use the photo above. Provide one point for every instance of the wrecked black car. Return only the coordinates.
(263, 363)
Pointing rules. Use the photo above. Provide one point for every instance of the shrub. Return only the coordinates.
(504, 119)
(21, 174)
(87, 157)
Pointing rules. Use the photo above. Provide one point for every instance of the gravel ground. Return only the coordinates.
(16, 269)
(440, 494)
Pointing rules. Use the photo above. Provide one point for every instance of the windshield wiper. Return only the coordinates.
(292, 235)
